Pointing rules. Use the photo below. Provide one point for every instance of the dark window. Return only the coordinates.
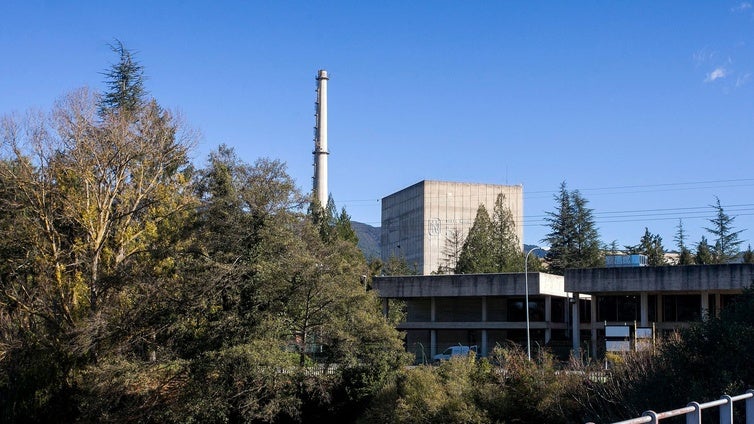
(585, 310)
(682, 307)
(652, 306)
(618, 308)
(606, 309)
(516, 312)
(558, 309)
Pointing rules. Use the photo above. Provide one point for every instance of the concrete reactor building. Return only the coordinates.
(420, 221)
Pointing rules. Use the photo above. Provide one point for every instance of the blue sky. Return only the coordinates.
(646, 107)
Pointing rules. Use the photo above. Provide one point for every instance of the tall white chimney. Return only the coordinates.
(320, 140)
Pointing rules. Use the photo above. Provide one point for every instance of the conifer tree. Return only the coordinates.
(573, 239)
(748, 256)
(704, 255)
(651, 246)
(506, 247)
(478, 252)
(451, 251)
(125, 83)
(685, 257)
(727, 244)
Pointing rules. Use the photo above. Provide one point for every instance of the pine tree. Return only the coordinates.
(726, 240)
(573, 239)
(561, 238)
(651, 246)
(684, 257)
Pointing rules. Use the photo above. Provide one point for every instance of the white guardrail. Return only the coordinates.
(693, 411)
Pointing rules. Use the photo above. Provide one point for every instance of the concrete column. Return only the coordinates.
(644, 311)
(576, 336)
(385, 307)
(718, 304)
(593, 324)
(483, 347)
(433, 332)
(705, 304)
(548, 318)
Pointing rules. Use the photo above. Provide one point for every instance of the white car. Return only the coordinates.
(454, 351)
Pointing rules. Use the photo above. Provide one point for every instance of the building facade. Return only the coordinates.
(665, 298)
(420, 221)
(485, 310)
(488, 309)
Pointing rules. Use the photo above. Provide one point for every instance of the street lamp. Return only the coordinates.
(526, 287)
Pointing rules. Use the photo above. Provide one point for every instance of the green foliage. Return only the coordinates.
(651, 246)
(748, 256)
(507, 388)
(125, 83)
(727, 244)
(135, 288)
(395, 265)
(704, 255)
(477, 254)
(451, 251)
(685, 257)
(492, 244)
(573, 239)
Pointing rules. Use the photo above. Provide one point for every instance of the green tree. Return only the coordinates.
(573, 239)
(727, 244)
(451, 251)
(748, 256)
(96, 199)
(651, 246)
(506, 245)
(125, 83)
(685, 257)
(704, 255)
(492, 244)
(478, 252)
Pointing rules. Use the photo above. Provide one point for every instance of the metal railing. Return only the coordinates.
(693, 411)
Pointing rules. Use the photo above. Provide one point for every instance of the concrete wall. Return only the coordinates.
(690, 278)
(402, 225)
(468, 285)
(422, 217)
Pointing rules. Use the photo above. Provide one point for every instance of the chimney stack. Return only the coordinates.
(320, 140)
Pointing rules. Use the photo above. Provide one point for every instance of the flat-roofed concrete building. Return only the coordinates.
(419, 221)
(666, 297)
(478, 309)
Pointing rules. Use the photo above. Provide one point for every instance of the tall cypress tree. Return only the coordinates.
(506, 249)
(478, 252)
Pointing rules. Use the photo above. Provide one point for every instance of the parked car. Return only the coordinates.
(452, 351)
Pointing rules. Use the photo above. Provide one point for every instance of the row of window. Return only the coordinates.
(674, 308)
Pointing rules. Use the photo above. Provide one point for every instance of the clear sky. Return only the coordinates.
(646, 107)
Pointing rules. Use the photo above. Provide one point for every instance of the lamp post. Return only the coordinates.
(526, 288)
